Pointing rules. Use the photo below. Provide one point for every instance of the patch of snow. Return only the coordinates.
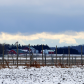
(43, 75)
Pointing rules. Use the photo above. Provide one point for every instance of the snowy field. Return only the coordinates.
(43, 75)
(43, 54)
(39, 56)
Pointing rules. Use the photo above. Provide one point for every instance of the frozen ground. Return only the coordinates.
(44, 54)
(43, 75)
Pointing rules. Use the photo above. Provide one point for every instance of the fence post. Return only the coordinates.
(60, 59)
(72, 60)
(32, 57)
(56, 54)
(36, 57)
(52, 58)
(42, 54)
(69, 54)
(39, 61)
(45, 59)
(20, 60)
(8, 58)
(75, 60)
(63, 57)
(3, 55)
(13, 61)
(29, 54)
(81, 55)
(67, 59)
(17, 55)
(26, 57)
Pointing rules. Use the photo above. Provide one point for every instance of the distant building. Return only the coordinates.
(33, 50)
(23, 51)
(47, 51)
(14, 51)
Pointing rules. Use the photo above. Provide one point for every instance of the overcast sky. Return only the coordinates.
(51, 22)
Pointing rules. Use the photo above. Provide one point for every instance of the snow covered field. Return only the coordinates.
(43, 75)
(44, 54)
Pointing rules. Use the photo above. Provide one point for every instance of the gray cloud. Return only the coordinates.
(57, 7)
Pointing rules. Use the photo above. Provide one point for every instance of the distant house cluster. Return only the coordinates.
(23, 51)
(12, 49)
(48, 51)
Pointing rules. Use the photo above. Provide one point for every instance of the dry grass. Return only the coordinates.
(27, 66)
(7, 63)
(38, 65)
(35, 64)
(65, 65)
(2, 66)
(43, 65)
(69, 66)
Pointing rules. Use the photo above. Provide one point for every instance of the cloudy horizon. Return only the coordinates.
(50, 22)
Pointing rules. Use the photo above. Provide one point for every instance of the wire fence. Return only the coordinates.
(48, 59)
(41, 59)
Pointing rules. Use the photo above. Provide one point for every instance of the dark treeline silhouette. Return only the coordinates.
(3, 47)
(79, 48)
(14, 47)
(39, 47)
(65, 51)
(10, 47)
(73, 49)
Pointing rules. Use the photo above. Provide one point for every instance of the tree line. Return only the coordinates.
(37, 47)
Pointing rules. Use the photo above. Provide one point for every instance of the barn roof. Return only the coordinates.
(14, 51)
